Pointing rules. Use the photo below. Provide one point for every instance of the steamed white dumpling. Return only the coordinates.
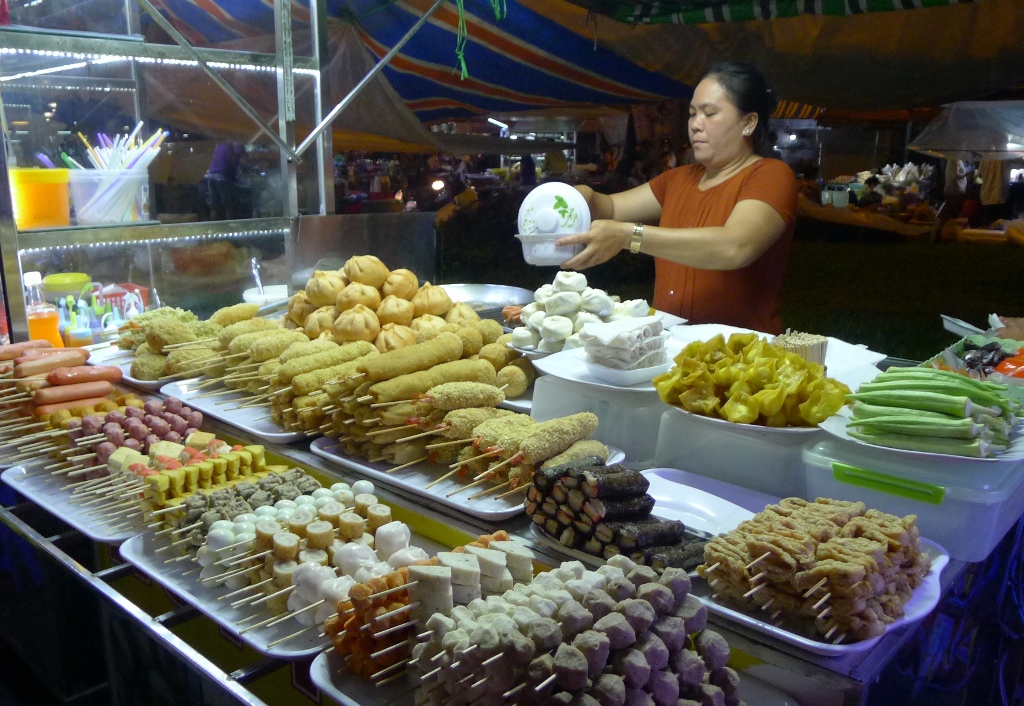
(546, 346)
(525, 338)
(635, 307)
(541, 296)
(573, 341)
(561, 303)
(529, 310)
(570, 282)
(596, 301)
(556, 328)
(536, 320)
(583, 318)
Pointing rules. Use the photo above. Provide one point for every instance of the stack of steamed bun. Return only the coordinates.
(561, 309)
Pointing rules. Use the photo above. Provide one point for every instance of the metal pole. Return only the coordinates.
(365, 81)
(286, 103)
(216, 78)
(322, 97)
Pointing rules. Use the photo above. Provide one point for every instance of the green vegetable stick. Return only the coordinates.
(958, 406)
(955, 447)
(950, 429)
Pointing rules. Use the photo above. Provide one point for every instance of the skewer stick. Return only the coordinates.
(839, 639)
(545, 684)
(815, 587)
(754, 590)
(495, 489)
(172, 545)
(289, 637)
(492, 452)
(406, 465)
(389, 669)
(177, 530)
(385, 616)
(394, 648)
(759, 576)
(714, 566)
(200, 342)
(244, 589)
(824, 613)
(432, 432)
(282, 618)
(241, 560)
(520, 489)
(256, 625)
(446, 476)
(220, 578)
(377, 405)
(266, 598)
(468, 486)
(821, 602)
(83, 471)
(831, 630)
(758, 560)
(396, 628)
(364, 399)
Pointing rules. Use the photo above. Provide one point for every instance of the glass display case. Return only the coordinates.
(221, 194)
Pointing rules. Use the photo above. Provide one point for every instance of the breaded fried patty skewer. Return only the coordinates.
(406, 387)
(421, 356)
(456, 395)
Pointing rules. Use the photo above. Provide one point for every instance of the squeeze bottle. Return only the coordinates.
(43, 319)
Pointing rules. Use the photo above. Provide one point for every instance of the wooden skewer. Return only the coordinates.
(396, 628)
(831, 630)
(493, 452)
(815, 587)
(200, 342)
(754, 590)
(432, 432)
(289, 637)
(495, 489)
(824, 613)
(377, 405)
(83, 471)
(758, 560)
(520, 489)
(292, 614)
(545, 684)
(172, 545)
(759, 576)
(394, 648)
(389, 669)
(406, 465)
(821, 602)
(241, 560)
(272, 595)
(244, 589)
(468, 486)
(446, 476)
(258, 625)
(714, 566)
(839, 639)
(396, 611)
(177, 530)
(512, 692)
(364, 399)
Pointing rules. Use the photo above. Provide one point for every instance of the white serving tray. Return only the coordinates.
(696, 509)
(248, 419)
(836, 426)
(925, 598)
(415, 479)
(329, 675)
(100, 356)
(136, 552)
(572, 365)
(522, 404)
(53, 498)
(784, 436)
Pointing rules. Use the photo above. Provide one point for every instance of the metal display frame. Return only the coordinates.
(284, 63)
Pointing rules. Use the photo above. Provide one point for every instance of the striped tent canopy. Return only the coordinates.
(690, 12)
(789, 110)
(523, 61)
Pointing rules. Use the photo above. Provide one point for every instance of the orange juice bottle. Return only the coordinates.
(43, 319)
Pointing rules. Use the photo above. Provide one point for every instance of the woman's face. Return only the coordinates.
(716, 126)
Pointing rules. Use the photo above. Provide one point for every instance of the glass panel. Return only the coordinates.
(201, 274)
(104, 16)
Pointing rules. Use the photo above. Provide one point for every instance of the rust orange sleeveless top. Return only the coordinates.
(748, 297)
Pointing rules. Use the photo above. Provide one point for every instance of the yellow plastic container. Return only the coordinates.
(40, 198)
(59, 285)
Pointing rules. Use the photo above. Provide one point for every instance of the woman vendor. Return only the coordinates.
(725, 224)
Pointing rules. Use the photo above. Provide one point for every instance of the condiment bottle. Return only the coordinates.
(43, 319)
(79, 333)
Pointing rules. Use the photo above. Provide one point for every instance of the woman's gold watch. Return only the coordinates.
(637, 238)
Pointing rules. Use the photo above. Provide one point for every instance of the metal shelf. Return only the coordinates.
(36, 240)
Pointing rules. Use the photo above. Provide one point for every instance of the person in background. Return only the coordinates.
(995, 190)
(528, 171)
(724, 225)
(954, 190)
(222, 181)
(1013, 328)
(871, 196)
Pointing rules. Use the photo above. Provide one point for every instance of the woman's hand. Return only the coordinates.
(604, 240)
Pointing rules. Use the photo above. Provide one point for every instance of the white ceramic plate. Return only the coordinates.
(787, 436)
(836, 425)
(100, 356)
(522, 404)
(925, 598)
(414, 479)
(142, 555)
(250, 419)
(626, 378)
(572, 365)
(53, 497)
(695, 508)
(529, 355)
